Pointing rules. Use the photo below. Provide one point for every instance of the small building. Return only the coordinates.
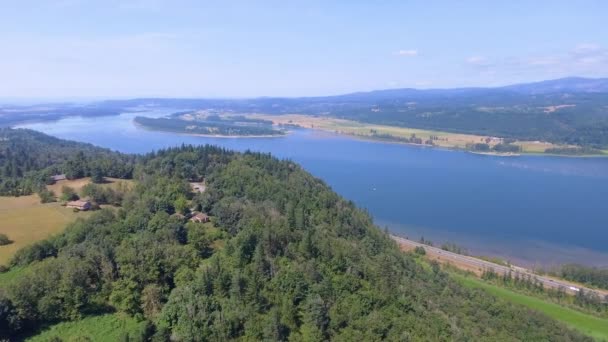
(200, 218)
(56, 178)
(198, 187)
(79, 204)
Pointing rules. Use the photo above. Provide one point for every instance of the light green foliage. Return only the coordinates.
(68, 194)
(591, 325)
(107, 327)
(46, 196)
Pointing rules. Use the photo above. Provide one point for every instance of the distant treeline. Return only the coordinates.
(413, 139)
(573, 150)
(586, 301)
(500, 148)
(12, 115)
(582, 274)
(211, 127)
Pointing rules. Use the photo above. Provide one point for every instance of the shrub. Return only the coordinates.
(420, 250)
(4, 240)
(46, 196)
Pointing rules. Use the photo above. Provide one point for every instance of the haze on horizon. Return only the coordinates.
(75, 48)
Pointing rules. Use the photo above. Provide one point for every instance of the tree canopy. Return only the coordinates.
(284, 258)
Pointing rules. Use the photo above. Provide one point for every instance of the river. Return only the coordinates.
(532, 210)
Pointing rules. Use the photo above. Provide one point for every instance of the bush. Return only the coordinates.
(68, 194)
(420, 250)
(46, 196)
(4, 240)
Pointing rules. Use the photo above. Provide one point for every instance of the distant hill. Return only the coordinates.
(569, 84)
(568, 111)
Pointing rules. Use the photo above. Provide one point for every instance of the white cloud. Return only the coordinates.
(408, 53)
(477, 60)
(586, 48)
(588, 60)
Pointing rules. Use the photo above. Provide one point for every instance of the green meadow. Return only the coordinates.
(593, 326)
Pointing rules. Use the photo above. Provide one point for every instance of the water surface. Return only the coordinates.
(529, 209)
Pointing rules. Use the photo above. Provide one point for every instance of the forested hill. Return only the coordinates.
(283, 258)
(28, 159)
(570, 110)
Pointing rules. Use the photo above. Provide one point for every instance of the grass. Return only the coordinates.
(107, 327)
(349, 127)
(25, 220)
(590, 325)
(7, 278)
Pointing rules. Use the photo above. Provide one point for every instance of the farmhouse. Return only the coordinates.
(56, 178)
(79, 204)
(198, 187)
(200, 218)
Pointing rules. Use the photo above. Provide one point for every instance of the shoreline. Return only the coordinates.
(478, 265)
(146, 128)
(335, 132)
(451, 148)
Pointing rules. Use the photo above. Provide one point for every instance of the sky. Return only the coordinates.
(133, 48)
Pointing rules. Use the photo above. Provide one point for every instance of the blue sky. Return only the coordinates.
(78, 48)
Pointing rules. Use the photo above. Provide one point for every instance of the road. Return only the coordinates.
(470, 263)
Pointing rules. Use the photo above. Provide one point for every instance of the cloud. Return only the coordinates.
(586, 48)
(476, 60)
(588, 59)
(407, 53)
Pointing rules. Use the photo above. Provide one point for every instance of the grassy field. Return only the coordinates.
(348, 127)
(25, 220)
(590, 325)
(108, 327)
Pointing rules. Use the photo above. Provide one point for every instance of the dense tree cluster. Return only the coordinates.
(587, 275)
(284, 258)
(29, 158)
(213, 126)
(585, 301)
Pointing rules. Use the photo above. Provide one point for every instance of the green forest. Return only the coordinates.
(211, 126)
(284, 258)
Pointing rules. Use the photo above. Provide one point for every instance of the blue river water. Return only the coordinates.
(532, 210)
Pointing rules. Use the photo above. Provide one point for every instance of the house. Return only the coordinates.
(79, 204)
(56, 178)
(200, 218)
(198, 187)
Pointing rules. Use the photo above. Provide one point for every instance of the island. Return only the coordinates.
(205, 124)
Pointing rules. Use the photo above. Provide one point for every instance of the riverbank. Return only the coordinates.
(411, 136)
(478, 266)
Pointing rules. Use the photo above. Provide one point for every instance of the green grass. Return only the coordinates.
(590, 325)
(108, 327)
(7, 278)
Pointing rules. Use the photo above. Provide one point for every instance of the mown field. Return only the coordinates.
(588, 324)
(349, 127)
(108, 327)
(25, 220)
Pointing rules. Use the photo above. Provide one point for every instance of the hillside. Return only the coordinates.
(283, 258)
(28, 159)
